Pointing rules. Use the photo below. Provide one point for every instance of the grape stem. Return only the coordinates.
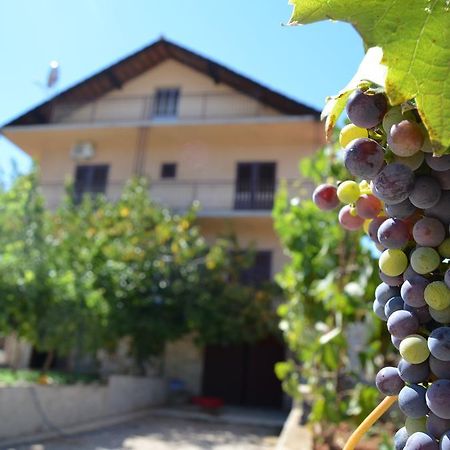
(368, 422)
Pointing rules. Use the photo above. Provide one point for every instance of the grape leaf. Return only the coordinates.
(415, 38)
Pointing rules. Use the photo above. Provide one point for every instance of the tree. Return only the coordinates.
(93, 272)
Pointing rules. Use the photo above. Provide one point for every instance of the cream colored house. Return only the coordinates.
(200, 131)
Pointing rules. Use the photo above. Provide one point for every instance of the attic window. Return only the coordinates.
(165, 103)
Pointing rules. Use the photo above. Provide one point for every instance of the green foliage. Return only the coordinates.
(11, 377)
(416, 49)
(329, 284)
(86, 275)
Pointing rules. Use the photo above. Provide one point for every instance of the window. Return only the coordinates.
(260, 271)
(90, 179)
(168, 170)
(255, 185)
(165, 103)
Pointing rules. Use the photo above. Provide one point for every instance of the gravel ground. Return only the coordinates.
(166, 434)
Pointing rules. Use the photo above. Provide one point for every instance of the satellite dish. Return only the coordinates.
(53, 74)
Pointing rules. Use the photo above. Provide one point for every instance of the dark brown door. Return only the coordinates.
(244, 374)
(90, 179)
(255, 185)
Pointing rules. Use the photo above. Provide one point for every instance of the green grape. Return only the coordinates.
(444, 248)
(348, 192)
(393, 116)
(414, 349)
(437, 295)
(425, 260)
(416, 425)
(393, 262)
(351, 132)
(442, 316)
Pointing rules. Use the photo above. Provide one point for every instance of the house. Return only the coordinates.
(201, 132)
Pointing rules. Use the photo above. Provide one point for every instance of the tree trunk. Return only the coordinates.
(48, 361)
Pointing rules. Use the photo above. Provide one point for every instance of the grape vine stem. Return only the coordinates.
(368, 422)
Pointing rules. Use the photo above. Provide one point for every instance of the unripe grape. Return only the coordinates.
(425, 260)
(414, 349)
(368, 206)
(405, 138)
(415, 425)
(413, 162)
(351, 132)
(348, 191)
(348, 220)
(444, 248)
(437, 295)
(393, 262)
(325, 197)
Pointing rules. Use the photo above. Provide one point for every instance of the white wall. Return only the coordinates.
(27, 410)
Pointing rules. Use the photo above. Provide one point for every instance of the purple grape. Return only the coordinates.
(428, 232)
(436, 426)
(410, 273)
(402, 323)
(364, 158)
(443, 178)
(392, 305)
(438, 398)
(405, 138)
(445, 441)
(438, 163)
(422, 313)
(411, 401)
(378, 309)
(366, 110)
(400, 439)
(412, 291)
(447, 278)
(401, 210)
(441, 210)
(413, 373)
(396, 342)
(388, 381)
(391, 281)
(368, 206)
(373, 228)
(384, 292)
(421, 441)
(439, 343)
(426, 192)
(440, 368)
(393, 233)
(394, 183)
(325, 197)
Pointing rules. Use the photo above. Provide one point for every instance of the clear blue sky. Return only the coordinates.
(307, 63)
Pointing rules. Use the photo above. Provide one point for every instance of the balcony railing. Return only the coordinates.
(221, 197)
(200, 106)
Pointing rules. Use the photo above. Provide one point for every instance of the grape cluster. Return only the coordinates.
(402, 200)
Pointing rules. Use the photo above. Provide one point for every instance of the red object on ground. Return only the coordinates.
(208, 402)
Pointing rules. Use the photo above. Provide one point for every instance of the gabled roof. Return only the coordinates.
(134, 65)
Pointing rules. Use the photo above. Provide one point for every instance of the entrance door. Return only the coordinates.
(244, 374)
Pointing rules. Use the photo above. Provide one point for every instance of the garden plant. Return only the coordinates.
(397, 189)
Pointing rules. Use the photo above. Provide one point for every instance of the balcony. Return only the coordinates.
(131, 109)
(215, 198)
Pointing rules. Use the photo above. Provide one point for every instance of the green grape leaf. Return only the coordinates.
(415, 38)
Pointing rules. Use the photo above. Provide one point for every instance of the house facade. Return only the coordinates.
(201, 133)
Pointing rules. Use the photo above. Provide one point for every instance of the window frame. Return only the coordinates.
(166, 101)
(168, 166)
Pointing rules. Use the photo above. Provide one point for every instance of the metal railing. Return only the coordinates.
(212, 196)
(199, 106)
